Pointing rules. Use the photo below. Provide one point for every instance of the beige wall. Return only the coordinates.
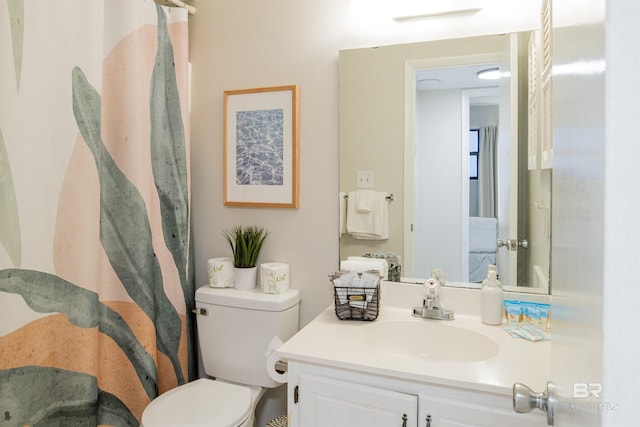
(237, 44)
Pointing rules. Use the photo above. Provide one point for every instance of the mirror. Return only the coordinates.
(391, 142)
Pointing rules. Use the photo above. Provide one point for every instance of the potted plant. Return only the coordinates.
(246, 243)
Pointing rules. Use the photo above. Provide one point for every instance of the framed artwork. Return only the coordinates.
(261, 147)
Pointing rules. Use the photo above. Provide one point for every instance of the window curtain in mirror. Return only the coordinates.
(96, 277)
(487, 179)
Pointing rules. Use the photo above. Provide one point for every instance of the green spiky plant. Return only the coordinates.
(246, 243)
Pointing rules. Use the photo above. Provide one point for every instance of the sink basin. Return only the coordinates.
(429, 340)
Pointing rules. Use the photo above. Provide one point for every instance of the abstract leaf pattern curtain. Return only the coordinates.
(96, 277)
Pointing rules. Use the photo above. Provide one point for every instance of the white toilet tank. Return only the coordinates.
(236, 327)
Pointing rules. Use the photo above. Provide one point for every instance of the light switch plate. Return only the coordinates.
(364, 179)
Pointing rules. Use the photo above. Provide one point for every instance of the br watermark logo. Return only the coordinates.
(587, 397)
(587, 390)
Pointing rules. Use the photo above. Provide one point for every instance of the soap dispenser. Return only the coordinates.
(490, 268)
(491, 299)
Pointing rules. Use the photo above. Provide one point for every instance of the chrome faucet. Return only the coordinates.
(431, 307)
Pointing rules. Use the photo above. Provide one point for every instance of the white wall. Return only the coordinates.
(482, 115)
(438, 184)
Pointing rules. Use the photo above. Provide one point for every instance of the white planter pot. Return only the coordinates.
(245, 278)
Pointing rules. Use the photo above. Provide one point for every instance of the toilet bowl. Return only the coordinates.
(235, 330)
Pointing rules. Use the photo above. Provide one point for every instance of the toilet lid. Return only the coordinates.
(199, 403)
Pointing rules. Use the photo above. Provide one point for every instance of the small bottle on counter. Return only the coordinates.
(491, 299)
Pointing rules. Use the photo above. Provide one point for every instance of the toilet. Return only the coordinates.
(235, 329)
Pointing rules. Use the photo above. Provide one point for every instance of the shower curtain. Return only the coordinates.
(96, 277)
(487, 172)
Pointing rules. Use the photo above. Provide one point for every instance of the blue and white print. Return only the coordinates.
(259, 147)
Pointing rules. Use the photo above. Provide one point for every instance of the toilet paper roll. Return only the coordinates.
(220, 272)
(273, 358)
(274, 277)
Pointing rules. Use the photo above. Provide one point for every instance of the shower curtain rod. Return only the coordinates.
(177, 3)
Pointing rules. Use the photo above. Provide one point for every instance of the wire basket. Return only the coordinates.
(356, 294)
(354, 303)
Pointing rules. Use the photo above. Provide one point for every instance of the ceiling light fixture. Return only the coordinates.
(429, 81)
(423, 84)
(437, 13)
(405, 10)
(489, 74)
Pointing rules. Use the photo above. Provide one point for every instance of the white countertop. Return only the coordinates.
(330, 342)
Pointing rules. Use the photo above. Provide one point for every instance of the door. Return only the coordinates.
(328, 402)
(581, 279)
(508, 137)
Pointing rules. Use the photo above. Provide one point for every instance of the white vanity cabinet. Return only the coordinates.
(320, 396)
(439, 374)
(324, 401)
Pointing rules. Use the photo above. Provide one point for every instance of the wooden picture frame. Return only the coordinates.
(261, 147)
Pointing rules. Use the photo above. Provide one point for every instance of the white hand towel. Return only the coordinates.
(382, 236)
(364, 200)
(373, 225)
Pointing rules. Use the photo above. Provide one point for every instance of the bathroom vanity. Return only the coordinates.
(400, 370)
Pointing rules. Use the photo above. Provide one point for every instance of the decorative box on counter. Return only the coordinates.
(356, 295)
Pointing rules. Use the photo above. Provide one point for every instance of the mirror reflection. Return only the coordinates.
(457, 153)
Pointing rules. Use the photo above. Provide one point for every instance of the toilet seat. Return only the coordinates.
(200, 403)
